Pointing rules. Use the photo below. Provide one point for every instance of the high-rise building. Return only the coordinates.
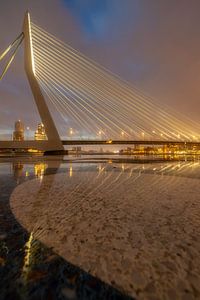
(18, 134)
(40, 134)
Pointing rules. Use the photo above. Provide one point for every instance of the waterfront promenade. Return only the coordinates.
(122, 230)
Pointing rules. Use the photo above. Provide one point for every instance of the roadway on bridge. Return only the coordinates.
(129, 142)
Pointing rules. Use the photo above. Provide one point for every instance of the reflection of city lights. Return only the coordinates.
(18, 169)
(27, 257)
(123, 167)
(70, 171)
(39, 170)
(34, 151)
(109, 142)
(101, 169)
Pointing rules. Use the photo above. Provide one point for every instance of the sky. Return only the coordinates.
(154, 45)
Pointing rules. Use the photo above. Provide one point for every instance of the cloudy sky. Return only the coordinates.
(153, 44)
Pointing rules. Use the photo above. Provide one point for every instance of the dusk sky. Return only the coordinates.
(153, 44)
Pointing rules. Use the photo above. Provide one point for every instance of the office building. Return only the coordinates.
(18, 134)
(40, 134)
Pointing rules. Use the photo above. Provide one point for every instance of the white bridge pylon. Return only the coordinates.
(53, 142)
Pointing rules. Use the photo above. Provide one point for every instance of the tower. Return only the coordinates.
(54, 142)
(18, 134)
(40, 134)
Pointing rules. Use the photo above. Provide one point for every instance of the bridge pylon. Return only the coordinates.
(54, 142)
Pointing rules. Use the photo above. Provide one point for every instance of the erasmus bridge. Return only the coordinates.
(90, 97)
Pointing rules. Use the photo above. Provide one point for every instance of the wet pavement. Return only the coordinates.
(44, 275)
(31, 268)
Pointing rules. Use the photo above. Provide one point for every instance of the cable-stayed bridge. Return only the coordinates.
(91, 99)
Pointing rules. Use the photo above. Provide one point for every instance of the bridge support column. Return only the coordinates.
(54, 142)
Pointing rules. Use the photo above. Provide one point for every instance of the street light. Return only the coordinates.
(70, 131)
(28, 129)
(143, 135)
(100, 132)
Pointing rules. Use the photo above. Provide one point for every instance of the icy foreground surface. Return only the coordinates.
(138, 232)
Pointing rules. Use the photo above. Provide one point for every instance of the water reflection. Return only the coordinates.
(21, 169)
(39, 169)
(27, 258)
(70, 171)
(17, 168)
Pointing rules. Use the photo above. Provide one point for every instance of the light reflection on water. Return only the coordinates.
(24, 169)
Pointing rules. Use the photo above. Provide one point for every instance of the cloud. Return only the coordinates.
(154, 44)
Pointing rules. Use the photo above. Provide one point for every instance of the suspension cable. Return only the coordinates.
(17, 42)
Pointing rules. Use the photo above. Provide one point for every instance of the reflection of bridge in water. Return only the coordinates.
(181, 168)
(92, 100)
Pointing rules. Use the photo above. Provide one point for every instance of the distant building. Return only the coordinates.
(40, 134)
(18, 134)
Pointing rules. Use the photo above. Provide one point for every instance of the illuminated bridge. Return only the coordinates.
(92, 101)
(130, 142)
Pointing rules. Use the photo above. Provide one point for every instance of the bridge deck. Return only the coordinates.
(43, 145)
(128, 142)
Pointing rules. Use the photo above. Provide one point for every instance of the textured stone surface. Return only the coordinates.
(30, 270)
(138, 232)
